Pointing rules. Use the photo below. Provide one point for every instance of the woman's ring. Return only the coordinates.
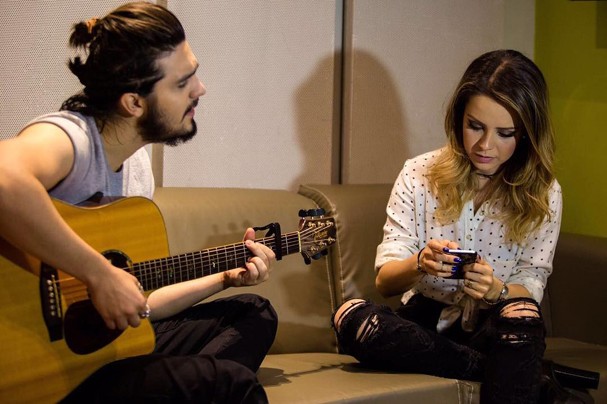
(468, 283)
(442, 265)
(146, 313)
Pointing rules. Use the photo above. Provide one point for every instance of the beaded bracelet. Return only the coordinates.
(419, 265)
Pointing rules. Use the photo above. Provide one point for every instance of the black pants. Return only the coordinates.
(206, 354)
(504, 353)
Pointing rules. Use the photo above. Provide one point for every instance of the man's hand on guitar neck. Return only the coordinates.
(172, 299)
(258, 267)
(117, 297)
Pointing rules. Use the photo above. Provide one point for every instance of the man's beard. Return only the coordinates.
(153, 128)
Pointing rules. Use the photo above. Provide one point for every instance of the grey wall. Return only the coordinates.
(297, 92)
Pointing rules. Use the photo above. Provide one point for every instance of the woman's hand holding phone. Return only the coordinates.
(478, 278)
(465, 257)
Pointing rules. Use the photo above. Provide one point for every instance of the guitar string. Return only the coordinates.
(213, 254)
(189, 259)
(238, 256)
(158, 277)
(192, 265)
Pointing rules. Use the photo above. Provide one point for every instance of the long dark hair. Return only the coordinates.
(121, 49)
(521, 187)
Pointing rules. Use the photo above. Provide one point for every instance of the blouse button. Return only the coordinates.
(469, 237)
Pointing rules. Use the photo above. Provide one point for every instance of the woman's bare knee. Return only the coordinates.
(520, 309)
(344, 309)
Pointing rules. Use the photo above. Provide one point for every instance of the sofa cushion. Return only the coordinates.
(300, 293)
(329, 378)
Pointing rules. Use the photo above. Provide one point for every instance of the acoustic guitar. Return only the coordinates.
(51, 336)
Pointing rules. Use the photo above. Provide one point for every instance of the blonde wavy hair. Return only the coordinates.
(519, 191)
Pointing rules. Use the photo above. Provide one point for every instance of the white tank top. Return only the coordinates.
(90, 176)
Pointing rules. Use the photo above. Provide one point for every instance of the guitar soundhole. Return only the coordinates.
(84, 329)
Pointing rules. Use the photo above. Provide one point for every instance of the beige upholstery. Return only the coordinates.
(198, 218)
(304, 365)
(578, 286)
(359, 211)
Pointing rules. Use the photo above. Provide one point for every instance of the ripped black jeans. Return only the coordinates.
(504, 352)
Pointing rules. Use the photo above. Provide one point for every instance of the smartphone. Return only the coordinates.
(467, 257)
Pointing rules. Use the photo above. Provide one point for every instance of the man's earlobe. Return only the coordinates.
(131, 104)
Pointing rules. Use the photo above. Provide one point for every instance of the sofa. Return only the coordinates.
(304, 364)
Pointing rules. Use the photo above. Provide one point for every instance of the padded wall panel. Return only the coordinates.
(267, 120)
(34, 77)
(403, 60)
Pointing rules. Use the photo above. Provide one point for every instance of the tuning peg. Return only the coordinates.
(311, 212)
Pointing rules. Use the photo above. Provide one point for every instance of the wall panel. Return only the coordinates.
(268, 119)
(34, 77)
(273, 117)
(572, 51)
(402, 61)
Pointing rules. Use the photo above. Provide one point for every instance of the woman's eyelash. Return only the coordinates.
(474, 125)
(477, 126)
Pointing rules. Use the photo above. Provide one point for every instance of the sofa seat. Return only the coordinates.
(330, 378)
(582, 355)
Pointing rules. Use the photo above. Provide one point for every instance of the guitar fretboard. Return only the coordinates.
(161, 272)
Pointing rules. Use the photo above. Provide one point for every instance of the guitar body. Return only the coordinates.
(47, 349)
(34, 369)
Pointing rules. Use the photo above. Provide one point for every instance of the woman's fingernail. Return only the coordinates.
(457, 259)
(445, 249)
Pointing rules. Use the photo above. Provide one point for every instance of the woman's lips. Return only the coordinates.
(483, 159)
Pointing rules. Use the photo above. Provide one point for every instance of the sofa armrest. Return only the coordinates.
(360, 214)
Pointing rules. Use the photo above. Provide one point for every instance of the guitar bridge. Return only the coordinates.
(50, 298)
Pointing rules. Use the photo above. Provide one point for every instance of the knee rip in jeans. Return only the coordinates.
(367, 328)
(343, 312)
(522, 310)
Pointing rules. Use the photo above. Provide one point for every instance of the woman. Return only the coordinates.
(491, 189)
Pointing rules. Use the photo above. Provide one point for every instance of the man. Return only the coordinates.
(140, 87)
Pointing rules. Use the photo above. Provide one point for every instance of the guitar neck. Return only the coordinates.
(161, 272)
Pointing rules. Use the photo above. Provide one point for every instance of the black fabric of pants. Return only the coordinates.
(503, 353)
(206, 354)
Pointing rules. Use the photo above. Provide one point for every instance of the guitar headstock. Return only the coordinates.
(316, 233)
